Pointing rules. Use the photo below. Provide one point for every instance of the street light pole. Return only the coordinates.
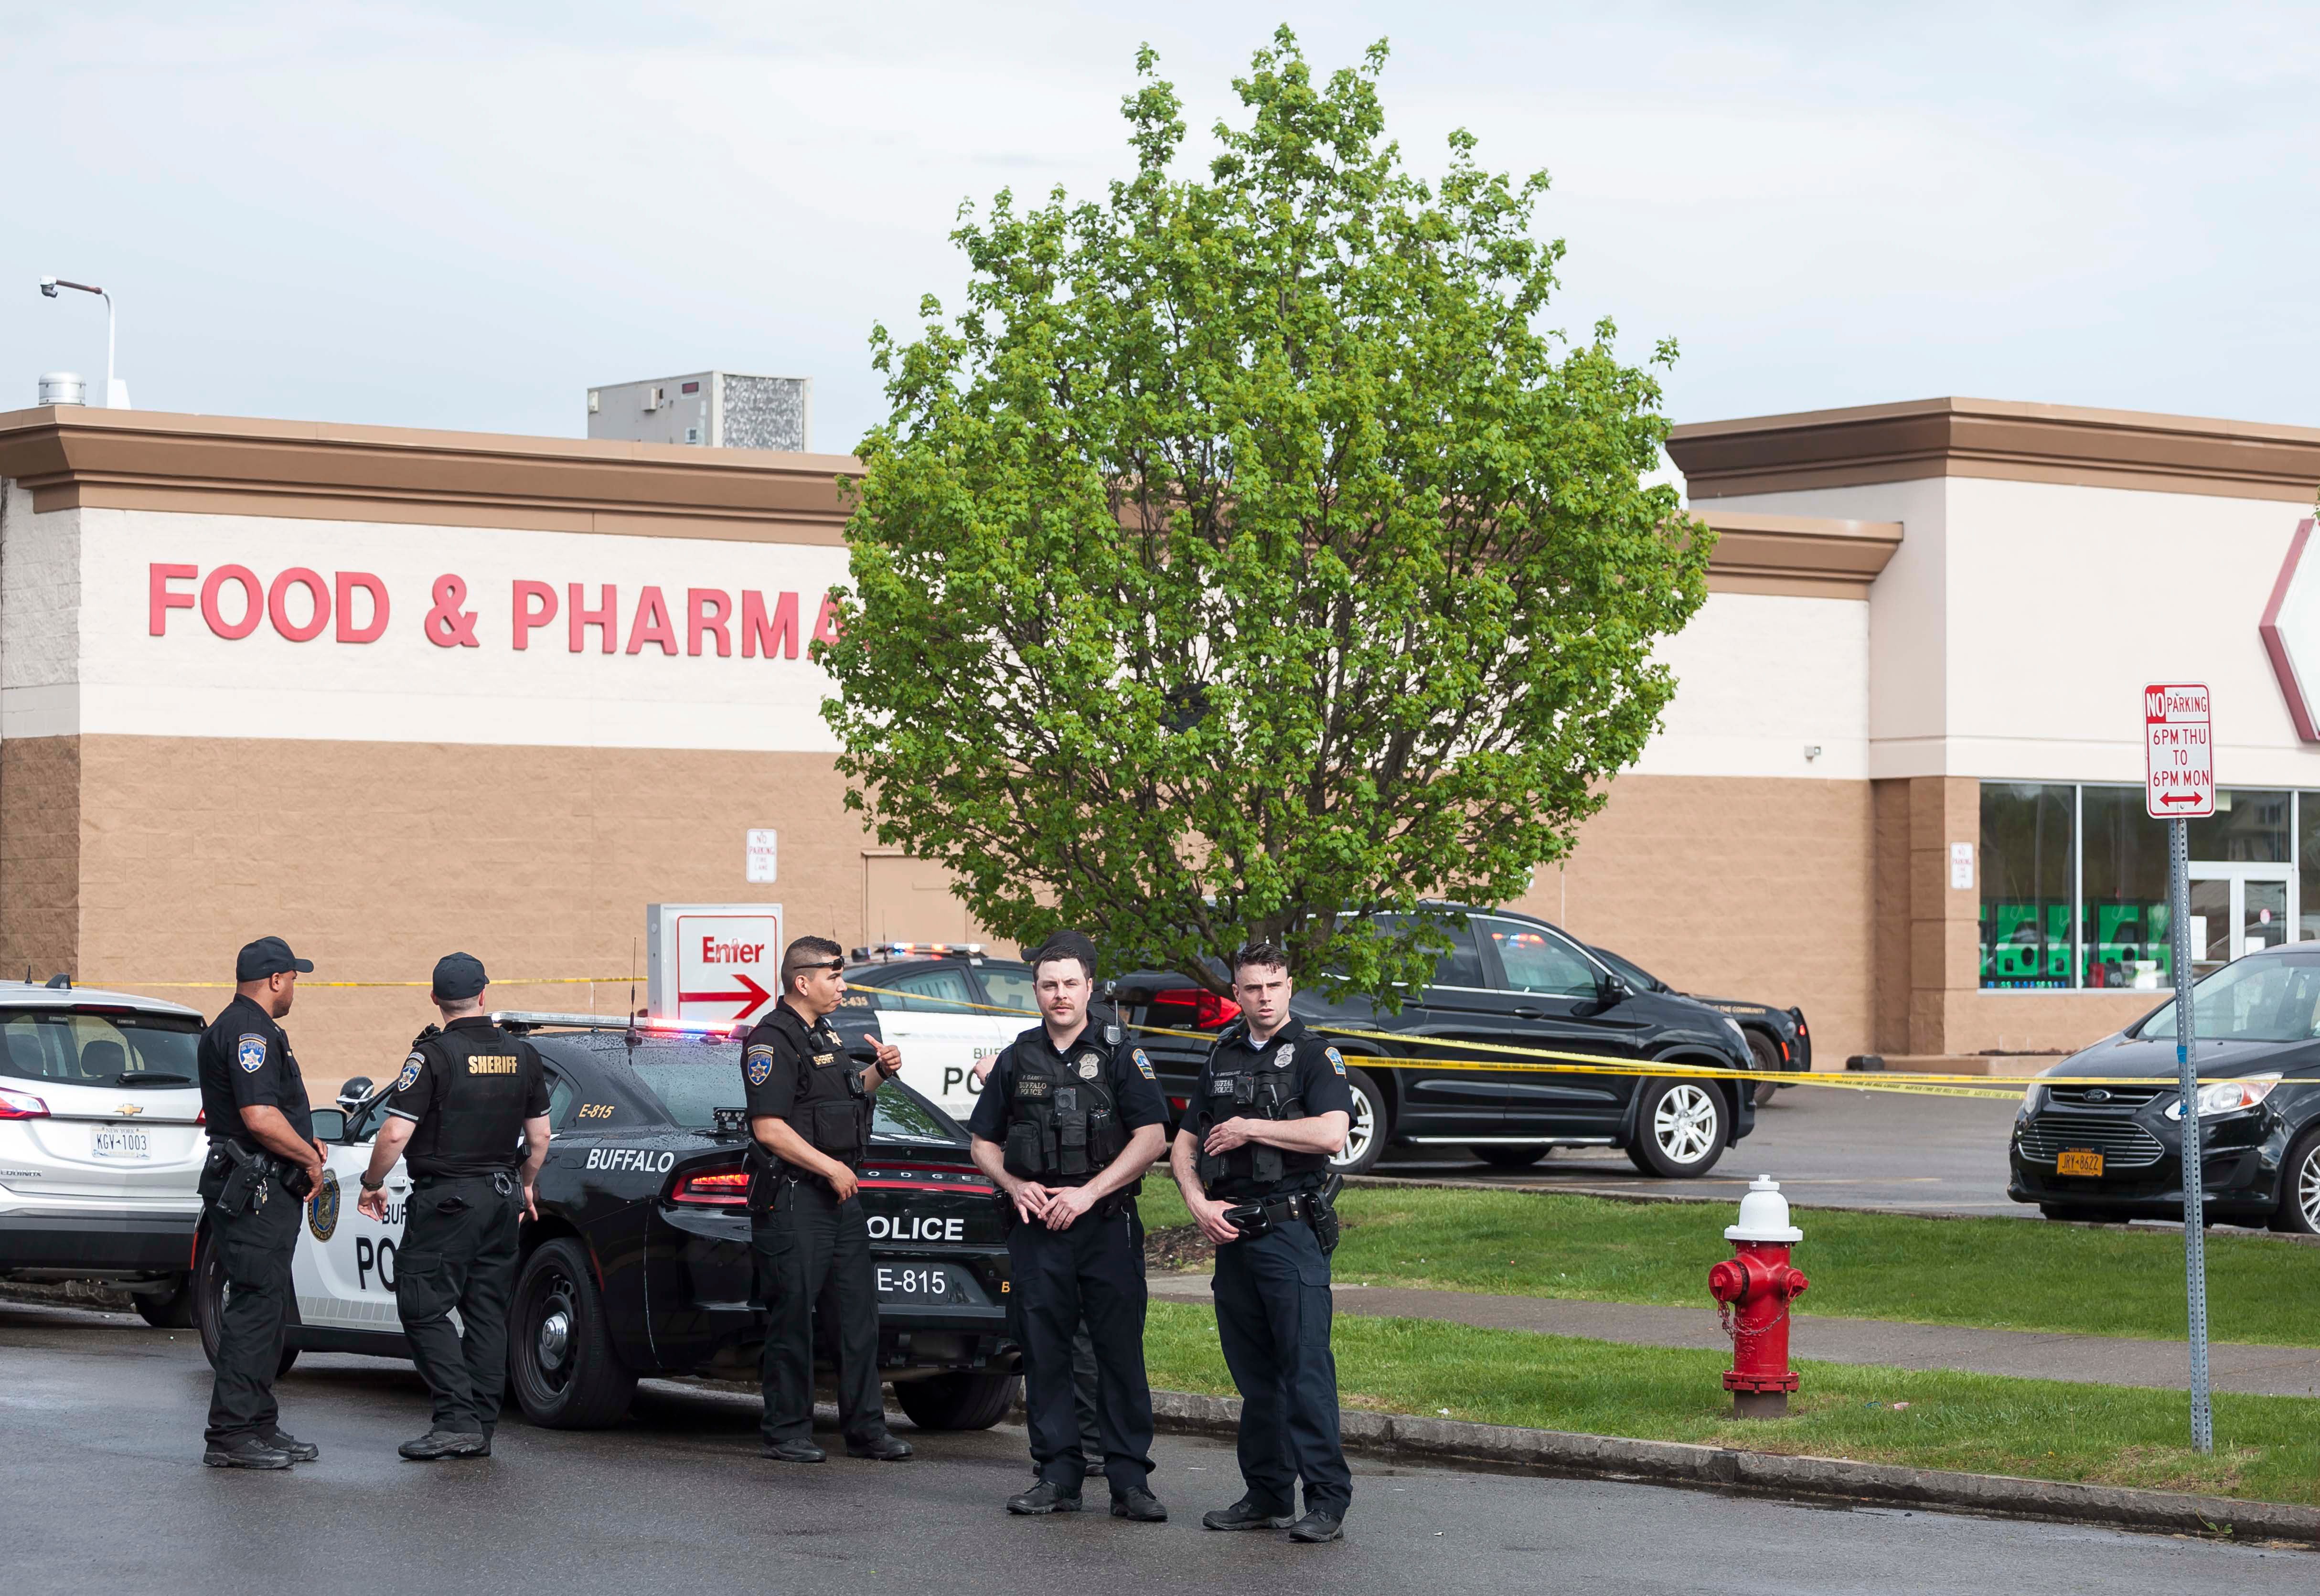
(116, 392)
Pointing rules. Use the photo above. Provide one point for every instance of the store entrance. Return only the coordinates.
(2236, 909)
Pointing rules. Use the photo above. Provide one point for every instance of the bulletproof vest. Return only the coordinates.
(1262, 1088)
(831, 1112)
(1063, 1122)
(476, 1119)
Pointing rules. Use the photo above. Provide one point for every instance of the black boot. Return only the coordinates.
(1245, 1514)
(1046, 1496)
(1141, 1506)
(438, 1444)
(885, 1447)
(245, 1452)
(793, 1452)
(300, 1451)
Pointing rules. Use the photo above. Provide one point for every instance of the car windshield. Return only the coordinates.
(99, 1049)
(693, 1082)
(2252, 1000)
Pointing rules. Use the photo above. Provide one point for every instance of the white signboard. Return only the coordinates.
(717, 963)
(1961, 866)
(759, 858)
(2178, 751)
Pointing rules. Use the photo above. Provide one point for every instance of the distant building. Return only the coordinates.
(711, 409)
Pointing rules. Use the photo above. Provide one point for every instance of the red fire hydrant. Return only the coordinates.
(1755, 1286)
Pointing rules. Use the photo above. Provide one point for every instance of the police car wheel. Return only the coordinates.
(1768, 1060)
(1679, 1128)
(206, 1292)
(958, 1400)
(1366, 1138)
(2298, 1213)
(561, 1359)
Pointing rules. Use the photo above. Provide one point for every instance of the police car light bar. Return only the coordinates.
(884, 950)
(530, 1020)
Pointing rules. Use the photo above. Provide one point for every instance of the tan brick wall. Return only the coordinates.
(1742, 888)
(374, 858)
(39, 855)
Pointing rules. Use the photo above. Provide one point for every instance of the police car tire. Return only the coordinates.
(1644, 1150)
(205, 1302)
(958, 1400)
(596, 1391)
(1359, 1083)
(1768, 1059)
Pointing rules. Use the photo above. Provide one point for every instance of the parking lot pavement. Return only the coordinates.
(1827, 1145)
(104, 1491)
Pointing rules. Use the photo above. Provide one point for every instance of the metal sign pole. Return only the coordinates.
(2195, 1236)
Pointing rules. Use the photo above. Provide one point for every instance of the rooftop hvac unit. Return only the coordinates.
(714, 409)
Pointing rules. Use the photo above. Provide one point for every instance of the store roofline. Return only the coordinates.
(1996, 439)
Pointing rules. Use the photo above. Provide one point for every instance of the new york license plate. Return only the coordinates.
(2078, 1161)
(120, 1142)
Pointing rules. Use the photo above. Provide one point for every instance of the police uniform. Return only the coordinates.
(812, 1251)
(1062, 1118)
(467, 1091)
(1273, 1287)
(244, 1061)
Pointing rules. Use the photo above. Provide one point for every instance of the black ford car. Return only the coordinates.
(1511, 981)
(2084, 1147)
(639, 1262)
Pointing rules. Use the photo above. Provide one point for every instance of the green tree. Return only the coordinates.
(1244, 561)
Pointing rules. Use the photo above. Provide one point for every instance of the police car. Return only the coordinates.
(950, 1008)
(639, 1262)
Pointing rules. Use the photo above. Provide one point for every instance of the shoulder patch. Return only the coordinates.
(249, 1052)
(757, 1064)
(410, 1075)
(1143, 1065)
(1336, 1059)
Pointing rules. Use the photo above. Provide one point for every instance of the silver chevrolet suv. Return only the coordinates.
(101, 1142)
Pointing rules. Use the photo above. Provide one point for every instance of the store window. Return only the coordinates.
(2028, 865)
(2247, 828)
(2123, 924)
(2307, 867)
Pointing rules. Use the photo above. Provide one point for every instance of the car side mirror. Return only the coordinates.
(329, 1124)
(1610, 989)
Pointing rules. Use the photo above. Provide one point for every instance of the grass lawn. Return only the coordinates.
(2267, 1448)
(2012, 1273)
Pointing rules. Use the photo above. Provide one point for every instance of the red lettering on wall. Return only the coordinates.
(253, 596)
(825, 624)
(605, 618)
(347, 584)
(651, 623)
(759, 633)
(526, 618)
(159, 601)
(318, 603)
(707, 608)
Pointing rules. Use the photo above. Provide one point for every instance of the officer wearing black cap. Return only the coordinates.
(1252, 1157)
(1067, 1124)
(809, 1111)
(471, 1107)
(263, 1161)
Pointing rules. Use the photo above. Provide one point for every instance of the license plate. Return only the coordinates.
(2078, 1161)
(120, 1142)
(926, 1283)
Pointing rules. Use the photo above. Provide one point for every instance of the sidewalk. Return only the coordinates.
(2097, 1360)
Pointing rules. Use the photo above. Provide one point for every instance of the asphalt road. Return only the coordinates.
(1827, 1145)
(103, 1490)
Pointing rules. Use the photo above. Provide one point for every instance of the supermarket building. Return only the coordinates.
(388, 692)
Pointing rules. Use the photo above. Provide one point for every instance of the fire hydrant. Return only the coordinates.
(1755, 1286)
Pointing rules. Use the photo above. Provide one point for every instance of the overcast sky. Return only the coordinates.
(399, 213)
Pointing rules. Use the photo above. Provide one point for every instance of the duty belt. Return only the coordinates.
(502, 1181)
(1255, 1219)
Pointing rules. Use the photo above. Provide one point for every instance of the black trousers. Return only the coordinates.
(814, 1258)
(1092, 1271)
(1273, 1317)
(460, 1251)
(255, 1246)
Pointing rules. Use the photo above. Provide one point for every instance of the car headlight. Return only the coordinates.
(2228, 1097)
(2032, 1096)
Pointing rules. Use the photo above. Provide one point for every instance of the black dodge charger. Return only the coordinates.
(2087, 1146)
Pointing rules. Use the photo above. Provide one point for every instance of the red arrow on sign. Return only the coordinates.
(2163, 798)
(750, 996)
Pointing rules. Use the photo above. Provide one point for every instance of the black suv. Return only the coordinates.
(1779, 1038)
(2115, 1152)
(1510, 980)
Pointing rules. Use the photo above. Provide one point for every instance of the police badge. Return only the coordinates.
(410, 1075)
(1286, 1056)
(757, 1064)
(249, 1052)
(1091, 1067)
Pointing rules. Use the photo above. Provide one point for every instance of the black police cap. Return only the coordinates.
(268, 955)
(459, 977)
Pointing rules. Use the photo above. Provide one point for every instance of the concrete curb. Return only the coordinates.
(1817, 1479)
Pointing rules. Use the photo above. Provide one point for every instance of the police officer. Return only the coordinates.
(263, 1161)
(810, 1126)
(1066, 1125)
(1252, 1157)
(471, 1107)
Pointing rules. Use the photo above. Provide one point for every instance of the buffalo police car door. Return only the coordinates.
(344, 1266)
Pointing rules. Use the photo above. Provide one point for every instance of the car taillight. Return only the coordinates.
(1179, 1104)
(1202, 1010)
(20, 1105)
(713, 1188)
